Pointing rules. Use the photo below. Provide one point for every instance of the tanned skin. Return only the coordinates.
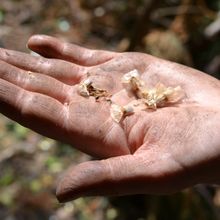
(151, 152)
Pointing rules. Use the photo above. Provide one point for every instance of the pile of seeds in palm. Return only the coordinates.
(144, 98)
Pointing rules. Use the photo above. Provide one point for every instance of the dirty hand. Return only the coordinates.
(160, 151)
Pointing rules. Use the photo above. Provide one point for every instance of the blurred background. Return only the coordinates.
(184, 31)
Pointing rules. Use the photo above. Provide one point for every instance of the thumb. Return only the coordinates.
(121, 175)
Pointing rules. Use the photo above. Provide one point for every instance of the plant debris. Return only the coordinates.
(87, 89)
(160, 93)
(145, 98)
(133, 84)
(161, 96)
(117, 112)
(158, 96)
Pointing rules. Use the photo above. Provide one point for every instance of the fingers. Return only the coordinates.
(53, 48)
(35, 82)
(120, 176)
(39, 112)
(64, 71)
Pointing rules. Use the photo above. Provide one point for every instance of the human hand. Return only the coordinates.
(159, 151)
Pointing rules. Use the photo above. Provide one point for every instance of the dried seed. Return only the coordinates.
(174, 94)
(116, 112)
(86, 89)
(132, 83)
(128, 76)
(83, 90)
(155, 96)
(159, 96)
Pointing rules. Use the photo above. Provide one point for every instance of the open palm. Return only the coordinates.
(157, 151)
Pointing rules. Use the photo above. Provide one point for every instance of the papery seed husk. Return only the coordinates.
(83, 91)
(133, 84)
(116, 112)
(128, 76)
(176, 95)
(143, 93)
(86, 89)
(152, 104)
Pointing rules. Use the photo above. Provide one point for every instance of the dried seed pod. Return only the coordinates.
(86, 89)
(174, 94)
(161, 96)
(143, 93)
(128, 76)
(158, 96)
(116, 112)
(83, 88)
(132, 83)
(98, 93)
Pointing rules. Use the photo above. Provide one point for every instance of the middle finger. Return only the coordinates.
(35, 82)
